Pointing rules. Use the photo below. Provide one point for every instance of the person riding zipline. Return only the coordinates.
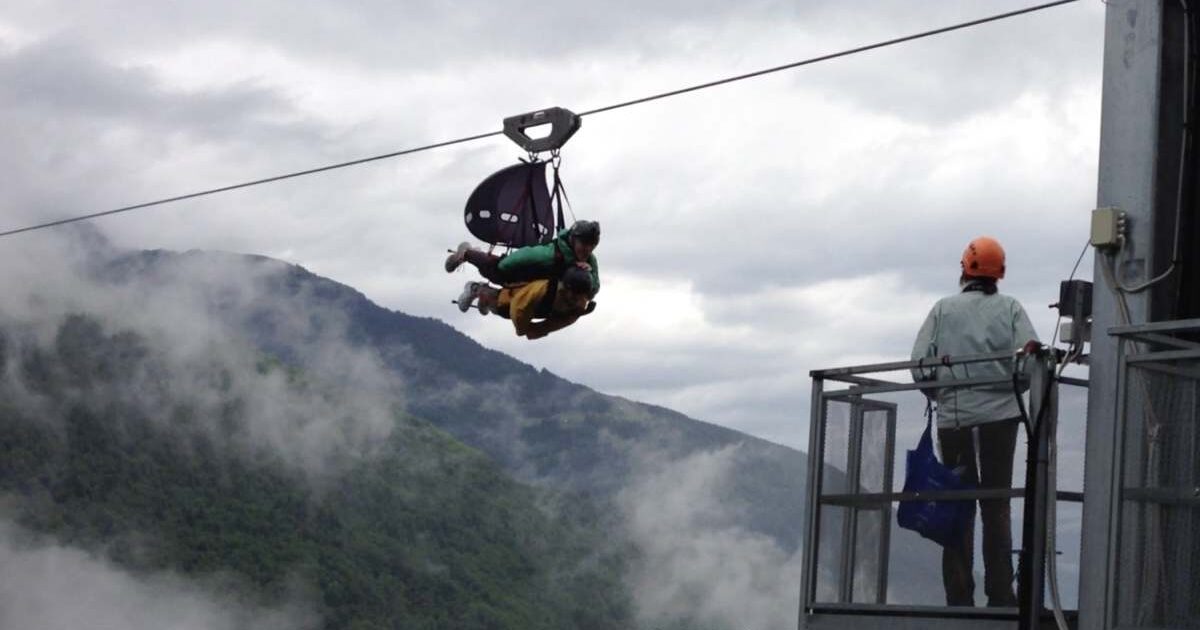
(536, 308)
(547, 279)
(571, 247)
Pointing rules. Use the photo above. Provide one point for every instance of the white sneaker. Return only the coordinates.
(456, 258)
(468, 294)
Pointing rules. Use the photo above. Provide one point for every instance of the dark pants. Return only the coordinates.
(487, 265)
(991, 467)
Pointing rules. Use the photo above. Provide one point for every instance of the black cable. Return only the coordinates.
(1079, 260)
(1031, 425)
(256, 182)
(1020, 396)
(844, 53)
(598, 110)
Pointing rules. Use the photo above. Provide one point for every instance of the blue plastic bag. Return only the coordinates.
(943, 522)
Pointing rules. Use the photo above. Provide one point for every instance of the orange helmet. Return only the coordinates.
(983, 257)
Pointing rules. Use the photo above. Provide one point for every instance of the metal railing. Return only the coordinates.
(861, 584)
(1154, 556)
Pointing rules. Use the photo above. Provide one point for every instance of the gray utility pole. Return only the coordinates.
(1147, 172)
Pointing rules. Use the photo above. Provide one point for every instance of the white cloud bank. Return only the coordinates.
(45, 586)
(698, 566)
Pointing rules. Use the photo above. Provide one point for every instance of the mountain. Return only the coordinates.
(107, 443)
(540, 428)
(222, 414)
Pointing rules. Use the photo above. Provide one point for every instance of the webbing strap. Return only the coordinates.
(560, 193)
(563, 188)
(527, 196)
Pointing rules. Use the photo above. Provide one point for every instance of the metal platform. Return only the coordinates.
(852, 494)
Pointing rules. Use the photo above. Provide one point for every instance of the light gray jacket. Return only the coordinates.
(965, 324)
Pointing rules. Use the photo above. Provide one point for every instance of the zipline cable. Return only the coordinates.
(844, 53)
(213, 191)
(638, 101)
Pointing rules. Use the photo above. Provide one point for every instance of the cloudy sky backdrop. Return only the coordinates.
(752, 232)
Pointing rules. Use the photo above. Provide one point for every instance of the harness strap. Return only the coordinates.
(527, 197)
(560, 192)
(557, 197)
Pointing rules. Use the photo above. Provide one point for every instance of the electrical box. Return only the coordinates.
(1108, 228)
(1075, 299)
(1075, 333)
(1075, 305)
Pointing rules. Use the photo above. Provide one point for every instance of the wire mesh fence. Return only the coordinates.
(1158, 539)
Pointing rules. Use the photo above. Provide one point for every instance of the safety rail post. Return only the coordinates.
(816, 456)
(885, 533)
(1043, 415)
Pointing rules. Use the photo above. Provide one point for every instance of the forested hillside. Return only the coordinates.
(102, 447)
(540, 428)
(247, 424)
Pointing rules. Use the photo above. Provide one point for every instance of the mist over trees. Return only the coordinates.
(273, 448)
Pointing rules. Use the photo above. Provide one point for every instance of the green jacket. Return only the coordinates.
(545, 261)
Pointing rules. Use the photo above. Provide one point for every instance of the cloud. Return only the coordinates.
(719, 207)
(187, 313)
(753, 232)
(695, 565)
(395, 35)
(48, 586)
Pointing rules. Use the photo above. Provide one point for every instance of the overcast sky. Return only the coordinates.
(752, 232)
